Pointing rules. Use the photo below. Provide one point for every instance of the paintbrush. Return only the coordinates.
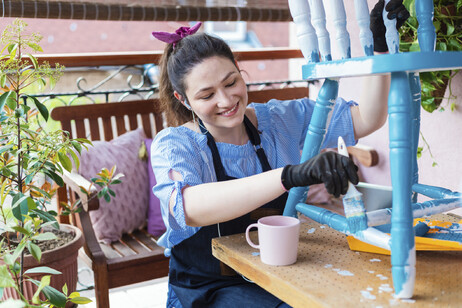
(353, 204)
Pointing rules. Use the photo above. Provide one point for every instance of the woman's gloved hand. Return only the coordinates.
(330, 168)
(395, 9)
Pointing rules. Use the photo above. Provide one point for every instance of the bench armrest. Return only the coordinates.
(74, 181)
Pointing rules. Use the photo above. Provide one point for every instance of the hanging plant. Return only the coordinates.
(448, 25)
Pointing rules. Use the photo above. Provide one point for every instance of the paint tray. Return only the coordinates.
(441, 235)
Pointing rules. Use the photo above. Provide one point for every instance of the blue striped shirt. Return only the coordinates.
(283, 125)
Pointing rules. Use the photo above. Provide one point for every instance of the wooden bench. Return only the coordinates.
(135, 257)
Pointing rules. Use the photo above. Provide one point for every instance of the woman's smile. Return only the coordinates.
(231, 111)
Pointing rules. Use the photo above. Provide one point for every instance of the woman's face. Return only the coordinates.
(217, 94)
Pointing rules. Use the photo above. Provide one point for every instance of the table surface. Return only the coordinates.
(328, 274)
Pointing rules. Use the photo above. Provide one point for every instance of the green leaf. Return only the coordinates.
(8, 98)
(41, 108)
(65, 161)
(33, 60)
(450, 28)
(21, 230)
(42, 270)
(81, 300)
(107, 198)
(34, 251)
(75, 158)
(54, 296)
(3, 80)
(55, 177)
(45, 281)
(441, 46)
(20, 206)
(47, 217)
(77, 146)
(6, 148)
(12, 48)
(6, 281)
(35, 47)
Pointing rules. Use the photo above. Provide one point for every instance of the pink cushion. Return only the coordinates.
(155, 223)
(128, 210)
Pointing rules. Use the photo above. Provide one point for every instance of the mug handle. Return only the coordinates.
(247, 237)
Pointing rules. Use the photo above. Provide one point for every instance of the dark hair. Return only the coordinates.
(177, 62)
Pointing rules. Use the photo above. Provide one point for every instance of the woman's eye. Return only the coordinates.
(231, 84)
(208, 96)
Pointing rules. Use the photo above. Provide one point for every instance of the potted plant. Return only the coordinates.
(448, 25)
(32, 162)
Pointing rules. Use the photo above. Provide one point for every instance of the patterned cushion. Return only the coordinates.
(128, 210)
(156, 224)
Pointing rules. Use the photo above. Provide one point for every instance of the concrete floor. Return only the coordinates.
(150, 294)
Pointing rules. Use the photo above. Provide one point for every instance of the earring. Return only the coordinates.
(186, 104)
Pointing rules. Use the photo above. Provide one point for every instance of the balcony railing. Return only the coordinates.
(134, 66)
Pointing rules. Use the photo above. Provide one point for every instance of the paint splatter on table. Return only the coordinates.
(328, 274)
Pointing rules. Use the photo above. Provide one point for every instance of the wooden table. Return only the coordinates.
(328, 274)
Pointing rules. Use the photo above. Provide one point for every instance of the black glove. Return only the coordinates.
(395, 9)
(330, 168)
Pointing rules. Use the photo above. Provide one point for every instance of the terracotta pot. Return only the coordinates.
(63, 259)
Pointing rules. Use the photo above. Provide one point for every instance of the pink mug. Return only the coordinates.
(278, 239)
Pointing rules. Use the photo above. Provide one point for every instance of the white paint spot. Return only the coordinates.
(336, 269)
(345, 273)
(322, 227)
(328, 266)
(375, 260)
(385, 287)
(369, 289)
(371, 272)
(367, 294)
(73, 26)
(382, 277)
(255, 253)
(311, 230)
(408, 300)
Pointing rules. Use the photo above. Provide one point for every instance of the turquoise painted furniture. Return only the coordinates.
(403, 116)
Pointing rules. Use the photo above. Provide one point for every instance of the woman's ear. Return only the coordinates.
(179, 97)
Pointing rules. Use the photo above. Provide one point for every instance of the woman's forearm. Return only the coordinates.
(371, 114)
(216, 202)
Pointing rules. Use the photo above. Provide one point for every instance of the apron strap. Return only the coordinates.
(254, 138)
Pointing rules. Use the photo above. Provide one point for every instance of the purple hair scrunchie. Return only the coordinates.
(180, 33)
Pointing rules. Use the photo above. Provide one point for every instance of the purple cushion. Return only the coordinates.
(128, 210)
(155, 223)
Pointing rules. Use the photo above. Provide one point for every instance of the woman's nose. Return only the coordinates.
(225, 99)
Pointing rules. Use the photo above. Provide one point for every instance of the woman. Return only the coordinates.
(228, 163)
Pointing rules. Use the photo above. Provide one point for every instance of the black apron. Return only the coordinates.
(196, 276)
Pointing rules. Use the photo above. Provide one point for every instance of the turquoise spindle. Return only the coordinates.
(402, 232)
(306, 35)
(318, 19)
(426, 31)
(414, 85)
(341, 34)
(391, 34)
(365, 33)
(314, 138)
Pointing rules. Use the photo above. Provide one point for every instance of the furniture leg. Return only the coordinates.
(402, 245)
(314, 137)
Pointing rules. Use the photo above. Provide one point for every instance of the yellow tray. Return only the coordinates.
(422, 243)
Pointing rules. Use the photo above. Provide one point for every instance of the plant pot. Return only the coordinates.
(63, 259)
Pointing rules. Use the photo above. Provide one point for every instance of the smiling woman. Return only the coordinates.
(225, 163)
